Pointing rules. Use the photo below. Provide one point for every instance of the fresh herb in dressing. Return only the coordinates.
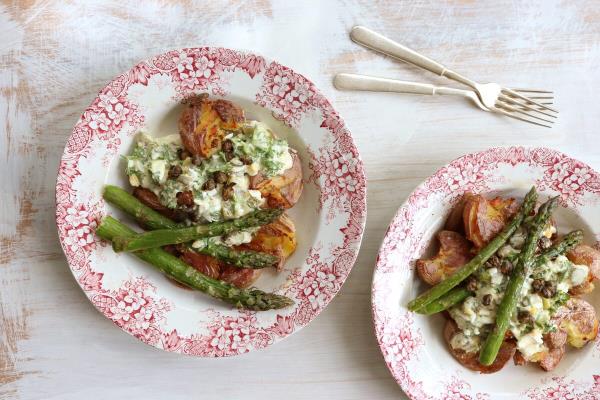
(270, 154)
(474, 318)
(255, 148)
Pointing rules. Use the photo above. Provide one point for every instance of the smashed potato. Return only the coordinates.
(484, 219)
(556, 343)
(552, 358)
(586, 255)
(578, 319)
(584, 288)
(471, 360)
(454, 222)
(277, 238)
(204, 124)
(576, 325)
(454, 253)
(281, 191)
(519, 359)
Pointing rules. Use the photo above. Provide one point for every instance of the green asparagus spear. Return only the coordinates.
(143, 214)
(163, 237)
(458, 294)
(512, 295)
(239, 258)
(250, 299)
(484, 254)
(451, 298)
(153, 220)
(568, 241)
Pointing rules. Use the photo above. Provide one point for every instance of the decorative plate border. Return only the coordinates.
(400, 340)
(336, 172)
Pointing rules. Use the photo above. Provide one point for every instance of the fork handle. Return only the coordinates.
(382, 44)
(374, 84)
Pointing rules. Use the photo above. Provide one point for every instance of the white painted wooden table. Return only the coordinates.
(54, 57)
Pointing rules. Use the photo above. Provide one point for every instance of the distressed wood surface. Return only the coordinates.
(55, 56)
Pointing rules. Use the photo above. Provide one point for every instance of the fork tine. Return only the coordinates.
(518, 108)
(513, 109)
(551, 96)
(548, 103)
(524, 105)
(524, 112)
(541, 97)
(529, 100)
(531, 90)
(504, 112)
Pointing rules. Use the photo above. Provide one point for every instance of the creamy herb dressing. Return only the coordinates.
(468, 343)
(232, 239)
(270, 154)
(475, 319)
(512, 249)
(149, 164)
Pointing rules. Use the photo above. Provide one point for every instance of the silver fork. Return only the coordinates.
(375, 84)
(345, 81)
(492, 96)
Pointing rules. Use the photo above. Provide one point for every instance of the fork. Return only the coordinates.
(346, 81)
(492, 97)
(375, 84)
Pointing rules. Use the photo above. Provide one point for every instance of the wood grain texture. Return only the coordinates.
(55, 56)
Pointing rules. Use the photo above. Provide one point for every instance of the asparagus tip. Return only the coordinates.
(267, 301)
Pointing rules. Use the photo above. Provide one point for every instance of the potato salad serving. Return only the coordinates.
(509, 284)
(212, 201)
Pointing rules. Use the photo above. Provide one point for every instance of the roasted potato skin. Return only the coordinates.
(556, 342)
(281, 191)
(484, 219)
(208, 265)
(584, 288)
(454, 222)
(148, 197)
(277, 238)
(204, 123)
(454, 252)
(576, 324)
(239, 277)
(578, 319)
(552, 359)
(585, 255)
(519, 359)
(471, 360)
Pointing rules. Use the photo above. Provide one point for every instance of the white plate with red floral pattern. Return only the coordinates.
(413, 345)
(330, 215)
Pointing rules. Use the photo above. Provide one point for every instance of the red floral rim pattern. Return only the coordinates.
(336, 172)
(401, 339)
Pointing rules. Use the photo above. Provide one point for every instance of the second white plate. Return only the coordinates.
(412, 344)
